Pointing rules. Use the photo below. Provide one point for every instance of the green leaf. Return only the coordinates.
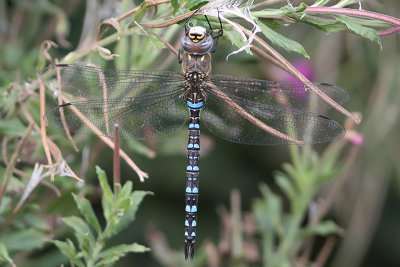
(23, 240)
(68, 249)
(82, 233)
(271, 23)
(236, 39)
(126, 190)
(87, 211)
(4, 203)
(104, 184)
(175, 6)
(268, 210)
(130, 213)
(365, 32)
(321, 24)
(4, 257)
(12, 128)
(323, 228)
(140, 13)
(286, 186)
(107, 200)
(112, 254)
(195, 4)
(282, 41)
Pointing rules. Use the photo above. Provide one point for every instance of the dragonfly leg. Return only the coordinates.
(179, 56)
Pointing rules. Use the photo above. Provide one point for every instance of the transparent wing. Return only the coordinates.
(143, 104)
(297, 95)
(91, 83)
(278, 105)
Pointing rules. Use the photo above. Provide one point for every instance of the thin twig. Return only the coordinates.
(117, 180)
(4, 149)
(42, 130)
(353, 12)
(148, 4)
(47, 143)
(389, 31)
(325, 252)
(64, 122)
(13, 161)
(168, 45)
(267, 57)
(237, 234)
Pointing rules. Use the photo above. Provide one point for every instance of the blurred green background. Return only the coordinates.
(366, 207)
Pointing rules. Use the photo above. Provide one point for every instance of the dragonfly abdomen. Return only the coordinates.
(195, 104)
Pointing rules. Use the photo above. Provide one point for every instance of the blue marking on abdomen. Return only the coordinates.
(195, 105)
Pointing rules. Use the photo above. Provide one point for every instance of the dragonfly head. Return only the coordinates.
(197, 41)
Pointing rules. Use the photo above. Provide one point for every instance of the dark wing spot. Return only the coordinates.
(65, 105)
(324, 117)
(62, 65)
(326, 84)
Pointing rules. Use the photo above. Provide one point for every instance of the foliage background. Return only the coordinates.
(366, 206)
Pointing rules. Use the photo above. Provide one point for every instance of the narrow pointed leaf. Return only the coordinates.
(24, 240)
(282, 41)
(130, 213)
(323, 228)
(4, 257)
(87, 211)
(68, 249)
(363, 31)
(82, 232)
(114, 253)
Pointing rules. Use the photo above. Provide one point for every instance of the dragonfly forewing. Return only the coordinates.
(143, 104)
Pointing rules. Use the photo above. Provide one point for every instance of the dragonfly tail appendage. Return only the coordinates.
(189, 251)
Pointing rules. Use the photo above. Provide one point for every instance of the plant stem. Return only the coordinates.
(353, 12)
(13, 161)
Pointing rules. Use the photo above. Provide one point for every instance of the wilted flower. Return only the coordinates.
(354, 137)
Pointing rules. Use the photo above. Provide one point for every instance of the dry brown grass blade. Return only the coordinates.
(42, 129)
(168, 45)
(142, 175)
(251, 118)
(116, 167)
(267, 57)
(292, 70)
(13, 161)
(48, 145)
(114, 22)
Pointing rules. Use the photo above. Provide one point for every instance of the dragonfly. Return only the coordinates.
(147, 104)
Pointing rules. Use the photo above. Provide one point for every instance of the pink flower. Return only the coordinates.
(355, 138)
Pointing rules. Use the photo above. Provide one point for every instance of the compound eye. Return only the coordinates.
(199, 37)
(196, 37)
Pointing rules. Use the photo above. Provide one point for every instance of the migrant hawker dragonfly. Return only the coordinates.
(158, 103)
